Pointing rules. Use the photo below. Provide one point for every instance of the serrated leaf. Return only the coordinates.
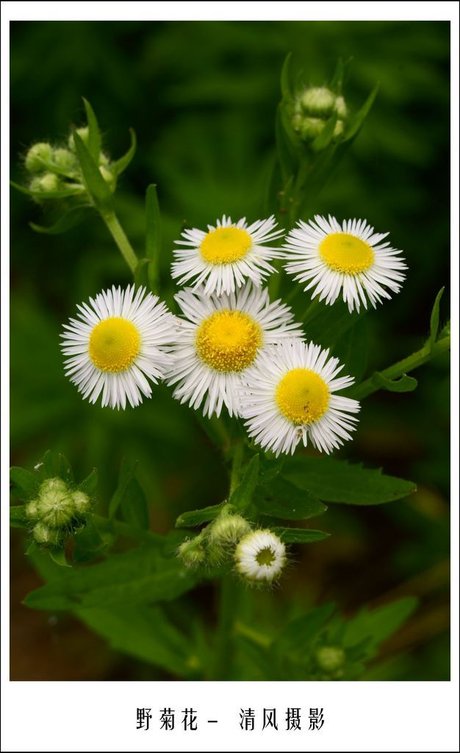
(282, 499)
(299, 535)
(94, 134)
(405, 383)
(70, 219)
(18, 517)
(341, 482)
(146, 634)
(120, 165)
(242, 495)
(24, 483)
(139, 576)
(152, 235)
(197, 517)
(89, 484)
(93, 180)
(434, 319)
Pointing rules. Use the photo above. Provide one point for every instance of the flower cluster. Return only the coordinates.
(231, 347)
(57, 511)
(258, 556)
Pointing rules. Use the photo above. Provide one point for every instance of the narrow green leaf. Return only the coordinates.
(63, 194)
(356, 122)
(58, 556)
(286, 86)
(146, 634)
(337, 80)
(287, 156)
(299, 535)
(70, 219)
(139, 576)
(120, 165)
(94, 182)
(24, 483)
(405, 383)
(434, 319)
(141, 273)
(152, 235)
(94, 134)
(242, 496)
(197, 517)
(18, 517)
(282, 499)
(341, 482)
(89, 484)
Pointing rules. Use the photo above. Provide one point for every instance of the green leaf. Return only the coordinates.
(356, 122)
(63, 194)
(24, 484)
(299, 634)
(299, 535)
(141, 273)
(286, 85)
(58, 556)
(89, 484)
(336, 83)
(434, 319)
(338, 481)
(285, 148)
(139, 576)
(18, 517)
(55, 464)
(352, 348)
(242, 495)
(405, 383)
(127, 470)
(197, 517)
(120, 165)
(152, 235)
(377, 625)
(322, 141)
(94, 182)
(329, 324)
(129, 498)
(146, 634)
(282, 499)
(70, 219)
(94, 134)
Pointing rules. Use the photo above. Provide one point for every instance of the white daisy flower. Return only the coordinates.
(219, 339)
(260, 556)
(117, 344)
(349, 259)
(288, 397)
(226, 256)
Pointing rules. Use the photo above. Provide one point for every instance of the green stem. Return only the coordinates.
(402, 367)
(119, 236)
(224, 638)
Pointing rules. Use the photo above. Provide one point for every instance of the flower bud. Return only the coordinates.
(38, 157)
(227, 530)
(330, 658)
(64, 159)
(47, 183)
(84, 135)
(192, 552)
(81, 502)
(46, 536)
(340, 107)
(56, 507)
(318, 101)
(32, 509)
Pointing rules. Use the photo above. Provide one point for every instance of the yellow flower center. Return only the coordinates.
(265, 557)
(302, 396)
(228, 340)
(225, 245)
(346, 253)
(114, 344)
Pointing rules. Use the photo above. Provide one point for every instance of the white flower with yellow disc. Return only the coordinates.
(289, 397)
(227, 255)
(117, 344)
(219, 339)
(260, 556)
(348, 260)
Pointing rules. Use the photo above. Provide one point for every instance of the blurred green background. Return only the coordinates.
(202, 98)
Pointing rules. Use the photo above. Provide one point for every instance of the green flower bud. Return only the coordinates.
(81, 502)
(84, 135)
(340, 107)
(227, 530)
(46, 536)
(56, 507)
(65, 160)
(192, 552)
(310, 128)
(38, 157)
(32, 509)
(318, 101)
(47, 183)
(338, 130)
(330, 658)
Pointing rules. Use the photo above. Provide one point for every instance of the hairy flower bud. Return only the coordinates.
(46, 536)
(81, 502)
(84, 135)
(192, 552)
(330, 658)
(64, 159)
(227, 530)
(38, 157)
(311, 110)
(46, 183)
(318, 100)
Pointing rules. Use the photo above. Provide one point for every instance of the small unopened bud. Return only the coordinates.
(64, 159)
(46, 536)
(310, 128)
(330, 658)
(81, 502)
(227, 530)
(38, 157)
(47, 183)
(318, 101)
(84, 135)
(192, 552)
(340, 107)
(56, 507)
(32, 509)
